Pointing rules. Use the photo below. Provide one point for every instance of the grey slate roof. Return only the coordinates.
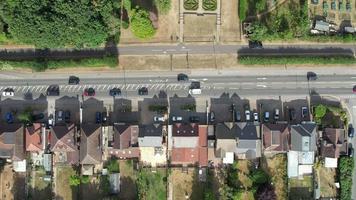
(303, 137)
(243, 130)
(154, 130)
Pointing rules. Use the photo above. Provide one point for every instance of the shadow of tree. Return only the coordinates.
(18, 187)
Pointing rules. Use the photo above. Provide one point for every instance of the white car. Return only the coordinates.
(8, 92)
(255, 117)
(177, 118)
(158, 119)
(247, 114)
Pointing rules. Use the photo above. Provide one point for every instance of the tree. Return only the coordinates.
(259, 32)
(74, 180)
(141, 25)
(320, 111)
(25, 116)
(243, 7)
(261, 5)
(61, 23)
(163, 5)
(84, 179)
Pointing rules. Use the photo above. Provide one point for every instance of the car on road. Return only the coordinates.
(177, 118)
(194, 91)
(59, 116)
(8, 92)
(311, 76)
(73, 80)
(158, 119)
(98, 117)
(9, 118)
(237, 116)
(143, 91)
(89, 92)
(351, 152)
(67, 116)
(266, 117)
(255, 117)
(292, 114)
(212, 116)
(254, 44)
(304, 112)
(53, 90)
(276, 114)
(248, 115)
(194, 85)
(194, 119)
(115, 92)
(182, 77)
(351, 131)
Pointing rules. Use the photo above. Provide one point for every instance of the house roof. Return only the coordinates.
(275, 137)
(90, 147)
(125, 136)
(303, 137)
(12, 141)
(248, 149)
(153, 130)
(190, 156)
(34, 140)
(185, 130)
(62, 138)
(242, 130)
(334, 143)
(133, 152)
(203, 136)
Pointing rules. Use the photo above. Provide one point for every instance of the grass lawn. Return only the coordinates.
(187, 183)
(276, 167)
(128, 178)
(327, 181)
(152, 185)
(42, 189)
(63, 189)
(301, 188)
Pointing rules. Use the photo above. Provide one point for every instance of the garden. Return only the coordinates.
(209, 5)
(151, 185)
(191, 4)
(329, 116)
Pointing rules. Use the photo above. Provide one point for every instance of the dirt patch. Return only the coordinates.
(184, 183)
(230, 24)
(128, 178)
(156, 62)
(6, 181)
(199, 28)
(63, 190)
(167, 29)
(327, 181)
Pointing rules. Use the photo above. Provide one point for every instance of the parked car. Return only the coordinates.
(248, 115)
(351, 131)
(53, 90)
(266, 117)
(104, 117)
(212, 116)
(73, 80)
(351, 152)
(90, 92)
(9, 118)
(304, 112)
(255, 44)
(60, 116)
(194, 91)
(8, 92)
(182, 77)
(37, 117)
(115, 92)
(194, 119)
(311, 76)
(276, 114)
(50, 121)
(237, 116)
(67, 116)
(158, 119)
(98, 117)
(195, 85)
(143, 91)
(255, 117)
(177, 118)
(291, 114)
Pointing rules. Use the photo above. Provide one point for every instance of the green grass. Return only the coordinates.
(42, 65)
(283, 60)
(152, 185)
(301, 188)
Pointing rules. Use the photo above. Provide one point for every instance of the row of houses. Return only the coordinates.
(178, 144)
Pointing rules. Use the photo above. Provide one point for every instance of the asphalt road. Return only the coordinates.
(242, 49)
(215, 85)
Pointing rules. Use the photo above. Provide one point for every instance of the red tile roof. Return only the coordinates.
(190, 156)
(34, 140)
(275, 137)
(203, 135)
(133, 152)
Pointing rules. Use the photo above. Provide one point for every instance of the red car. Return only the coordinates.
(89, 92)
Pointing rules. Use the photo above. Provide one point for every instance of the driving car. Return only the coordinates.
(311, 76)
(73, 80)
(115, 92)
(89, 92)
(143, 91)
(182, 77)
(8, 92)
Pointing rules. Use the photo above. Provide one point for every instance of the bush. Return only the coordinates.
(243, 7)
(296, 60)
(163, 6)
(346, 167)
(85, 179)
(157, 108)
(191, 4)
(209, 5)
(320, 111)
(141, 25)
(188, 107)
(125, 25)
(74, 180)
(113, 165)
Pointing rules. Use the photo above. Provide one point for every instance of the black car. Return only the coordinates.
(255, 44)
(143, 91)
(292, 114)
(311, 76)
(115, 92)
(182, 77)
(37, 117)
(194, 119)
(67, 116)
(351, 131)
(73, 80)
(351, 152)
(53, 90)
(237, 116)
(195, 85)
(98, 117)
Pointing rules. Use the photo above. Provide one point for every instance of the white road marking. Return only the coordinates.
(262, 78)
(170, 50)
(264, 86)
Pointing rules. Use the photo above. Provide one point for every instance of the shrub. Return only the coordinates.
(113, 165)
(320, 111)
(346, 167)
(191, 4)
(243, 7)
(157, 108)
(209, 5)
(125, 25)
(141, 25)
(188, 107)
(74, 180)
(296, 60)
(163, 6)
(85, 179)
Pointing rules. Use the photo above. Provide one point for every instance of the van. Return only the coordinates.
(276, 114)
(266, 118)
(194, 91)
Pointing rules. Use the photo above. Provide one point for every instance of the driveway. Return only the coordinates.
(185, 107)
(70, 104)
(90, 107)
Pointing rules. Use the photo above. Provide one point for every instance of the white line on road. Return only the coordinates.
(264, 86)
(262, 78)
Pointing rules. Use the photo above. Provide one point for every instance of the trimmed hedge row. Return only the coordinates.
(282, 60)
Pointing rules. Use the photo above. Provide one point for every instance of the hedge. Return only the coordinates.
(282, 60)
(346, 167)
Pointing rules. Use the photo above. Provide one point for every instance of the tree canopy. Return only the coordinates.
(163, 5)
(141, 25)
(61, 23)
